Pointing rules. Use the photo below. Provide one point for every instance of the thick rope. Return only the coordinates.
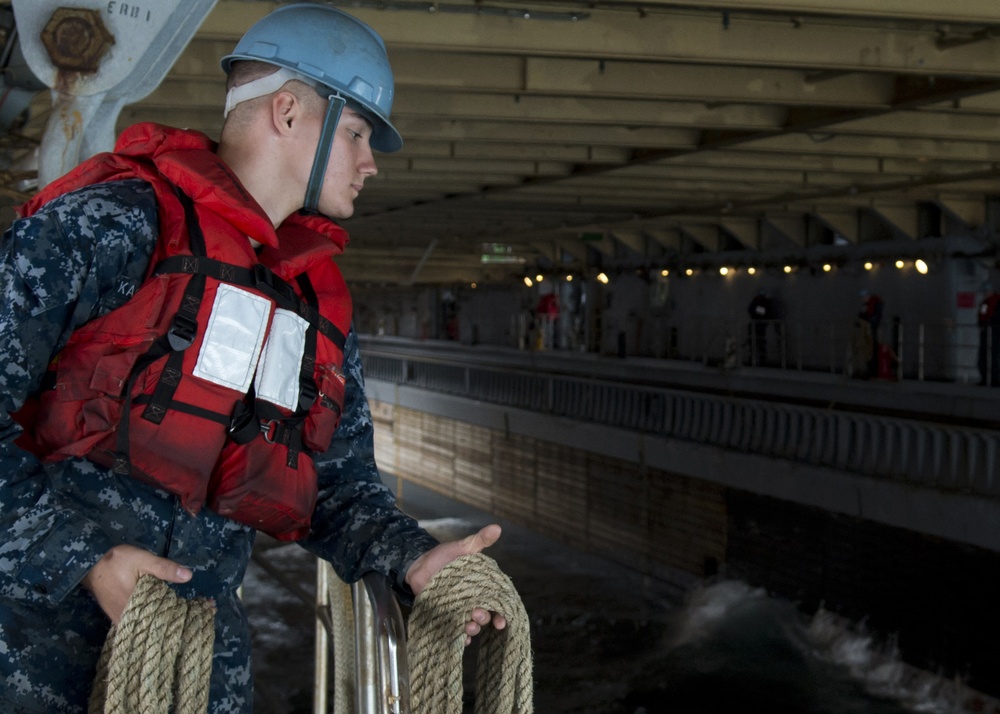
(436, 642)
(158, 656)
(342, 618)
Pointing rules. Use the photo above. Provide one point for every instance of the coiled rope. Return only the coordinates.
(436, 642)
(159, 655)
(345, 684)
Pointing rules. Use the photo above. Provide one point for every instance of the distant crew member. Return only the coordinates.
(989, 337)
(870, 315)
(547, 312)
(761, 310)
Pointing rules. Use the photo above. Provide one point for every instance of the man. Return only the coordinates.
(870, 315)
(180, 367)
(988, 318)
(761, 311)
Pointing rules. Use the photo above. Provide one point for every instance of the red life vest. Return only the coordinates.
(222, 375)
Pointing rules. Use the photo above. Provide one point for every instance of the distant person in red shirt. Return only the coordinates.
(547, 312)
(872, 307)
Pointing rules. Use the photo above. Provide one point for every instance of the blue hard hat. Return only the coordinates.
(329, 47)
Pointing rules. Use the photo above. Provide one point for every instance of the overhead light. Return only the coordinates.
(539, 278)
(868, 265)
(474, 286)
(664, 272)
(602, 278)
(920, 265)
(689, 272)
(900, 264)
(788, 268)
(723, 270)
(827, 267)
(527, 281)
(569, 278)
(751, 270)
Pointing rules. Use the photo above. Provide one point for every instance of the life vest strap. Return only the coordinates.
(307, 383)
(259, 277)
(193, 410)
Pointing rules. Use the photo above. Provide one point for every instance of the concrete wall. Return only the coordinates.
(934, 597)
(649, 519)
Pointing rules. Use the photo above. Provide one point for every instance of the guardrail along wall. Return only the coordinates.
(931, 454)
(879, 518)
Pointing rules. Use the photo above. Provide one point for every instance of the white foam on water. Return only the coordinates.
(877, 665)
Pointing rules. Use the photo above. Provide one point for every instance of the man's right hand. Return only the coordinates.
(113, 577)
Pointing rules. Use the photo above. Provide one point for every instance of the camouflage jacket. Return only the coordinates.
(82, 255)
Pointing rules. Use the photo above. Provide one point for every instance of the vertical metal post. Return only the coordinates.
(920, 352)
(322, 656)
(899, 354)
(382, 670)
(366, 695)
(989, 355)
(782, 342)
(833, 348)
(798, 346)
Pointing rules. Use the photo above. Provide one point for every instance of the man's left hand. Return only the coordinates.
(427, 566)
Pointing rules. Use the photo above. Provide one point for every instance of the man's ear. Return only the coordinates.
(286, 110)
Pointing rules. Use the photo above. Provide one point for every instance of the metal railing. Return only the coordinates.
(381, 671)
(919, 351)
(928, 453)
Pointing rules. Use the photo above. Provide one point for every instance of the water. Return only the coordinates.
(732, 644)
(606, 640)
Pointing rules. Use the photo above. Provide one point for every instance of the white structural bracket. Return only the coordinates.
(131, 45)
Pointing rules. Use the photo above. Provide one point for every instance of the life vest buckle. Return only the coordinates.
(307, 395)
(182, 332)
(268, 282)
(269, 430)
(243, 424)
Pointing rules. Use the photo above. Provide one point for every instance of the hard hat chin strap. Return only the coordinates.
(322, 158)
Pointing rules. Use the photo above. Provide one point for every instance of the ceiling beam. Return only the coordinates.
(970, 211)
(841, 222)
(669, 238)
(575, 247)
(676, 37)
(670, 36)
(635, 240)
(549, 249)
(903, 218)
(705, 235)
(745, 230)
(791, 225)
(972, 11)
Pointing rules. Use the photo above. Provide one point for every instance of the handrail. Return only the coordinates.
(941, 351)
(381, 675)
(935, 452)
(382, 670)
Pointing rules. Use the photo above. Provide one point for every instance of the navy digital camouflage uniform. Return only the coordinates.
(81, 256)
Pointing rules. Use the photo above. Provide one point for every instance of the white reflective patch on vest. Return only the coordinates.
(233, 338)
(278, 375)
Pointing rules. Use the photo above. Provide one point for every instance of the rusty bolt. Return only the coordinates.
(76, 39)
